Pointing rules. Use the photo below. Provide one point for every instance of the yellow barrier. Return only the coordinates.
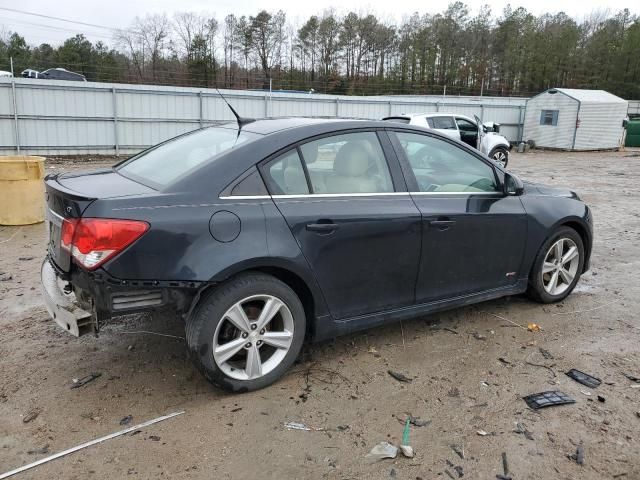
(21, 190)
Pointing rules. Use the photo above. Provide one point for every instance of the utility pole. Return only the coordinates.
(15, 108)
(482, 87)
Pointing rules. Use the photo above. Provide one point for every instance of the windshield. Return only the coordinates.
(167, 162)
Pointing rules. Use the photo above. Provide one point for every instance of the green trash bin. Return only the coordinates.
(633, 133)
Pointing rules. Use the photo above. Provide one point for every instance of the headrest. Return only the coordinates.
(310, 152)
(353, 159)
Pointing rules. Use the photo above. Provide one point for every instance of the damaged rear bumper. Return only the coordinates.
(82, 302)
(62, 306)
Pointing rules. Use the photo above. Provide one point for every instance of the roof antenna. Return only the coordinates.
(242, 121)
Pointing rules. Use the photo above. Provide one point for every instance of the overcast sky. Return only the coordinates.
(119, 13)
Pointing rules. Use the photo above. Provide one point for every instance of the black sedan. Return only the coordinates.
(292, 229)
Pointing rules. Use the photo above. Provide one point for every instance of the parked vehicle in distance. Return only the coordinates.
(484, 137)
(5, 74)
(54, 74)
(29, 73)
(284, 230)
(61, 74)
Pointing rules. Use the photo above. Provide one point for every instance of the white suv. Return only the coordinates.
(460, 127)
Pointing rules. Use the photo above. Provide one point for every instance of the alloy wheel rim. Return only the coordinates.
(253, 337)
(500, 157)
(560, 266)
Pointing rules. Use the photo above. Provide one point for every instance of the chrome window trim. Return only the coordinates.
(335, 195)
(245, 197)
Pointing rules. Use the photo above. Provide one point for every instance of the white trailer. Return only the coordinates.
(573, 119)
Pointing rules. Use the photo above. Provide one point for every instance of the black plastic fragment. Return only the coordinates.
(584, 378)
(547, 399)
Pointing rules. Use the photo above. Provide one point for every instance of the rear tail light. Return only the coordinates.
(93, 241)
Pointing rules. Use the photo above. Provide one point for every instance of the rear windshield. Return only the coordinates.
(168, 162)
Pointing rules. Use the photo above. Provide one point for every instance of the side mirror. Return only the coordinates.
(513, 185)
(485, 129)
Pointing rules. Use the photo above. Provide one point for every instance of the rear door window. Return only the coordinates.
(286, 175)
(347, 163)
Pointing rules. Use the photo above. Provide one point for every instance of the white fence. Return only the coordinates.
(65, 118)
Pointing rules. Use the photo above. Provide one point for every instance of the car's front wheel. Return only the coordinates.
(500, 155)
(557, 267)
(245, 334)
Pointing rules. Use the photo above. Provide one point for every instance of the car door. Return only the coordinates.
(444, 124)
(354, 221)
(468, 132)
(473, 234)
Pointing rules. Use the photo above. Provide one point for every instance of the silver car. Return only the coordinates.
(470, 131)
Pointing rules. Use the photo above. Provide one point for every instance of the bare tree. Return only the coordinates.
(267, 32)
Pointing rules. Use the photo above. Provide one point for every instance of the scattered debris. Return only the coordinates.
(533, 327)
(25, 259)
(154, 438)
(578, 456)
(584, 378)
(450, 330)
(418, 422)
(459, 450)
(545, 353)
(415, 421)
(383, 450)
(601, 399)
(77, 383)
(521, 429)
(30, 415)
(405, 448)
(296, 426)
(392, 472)
(459, 470)
(454, 392)
(482, 433)
(449, 474)
(342, 428)
(302, 426)
(479, 336)
(5, 277)
(547, 399)
(632, 378)
(528, 362)
(399, 376)
(584, 392)
(236, 409)
(504, 361)
(484, 384)
(126, 420)
(85, 445)
(505, 465)
(39, 451)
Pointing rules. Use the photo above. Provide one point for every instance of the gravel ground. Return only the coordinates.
(342, 387)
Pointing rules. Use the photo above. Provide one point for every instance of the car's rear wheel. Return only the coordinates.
(557, 267)
(500, 155)
(245, 334)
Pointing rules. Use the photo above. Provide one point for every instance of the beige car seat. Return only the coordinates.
(351, 169)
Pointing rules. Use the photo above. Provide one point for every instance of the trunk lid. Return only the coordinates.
(69, 194)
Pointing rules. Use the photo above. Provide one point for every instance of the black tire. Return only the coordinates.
(208, 313)
(536, 290)
(501, 152)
